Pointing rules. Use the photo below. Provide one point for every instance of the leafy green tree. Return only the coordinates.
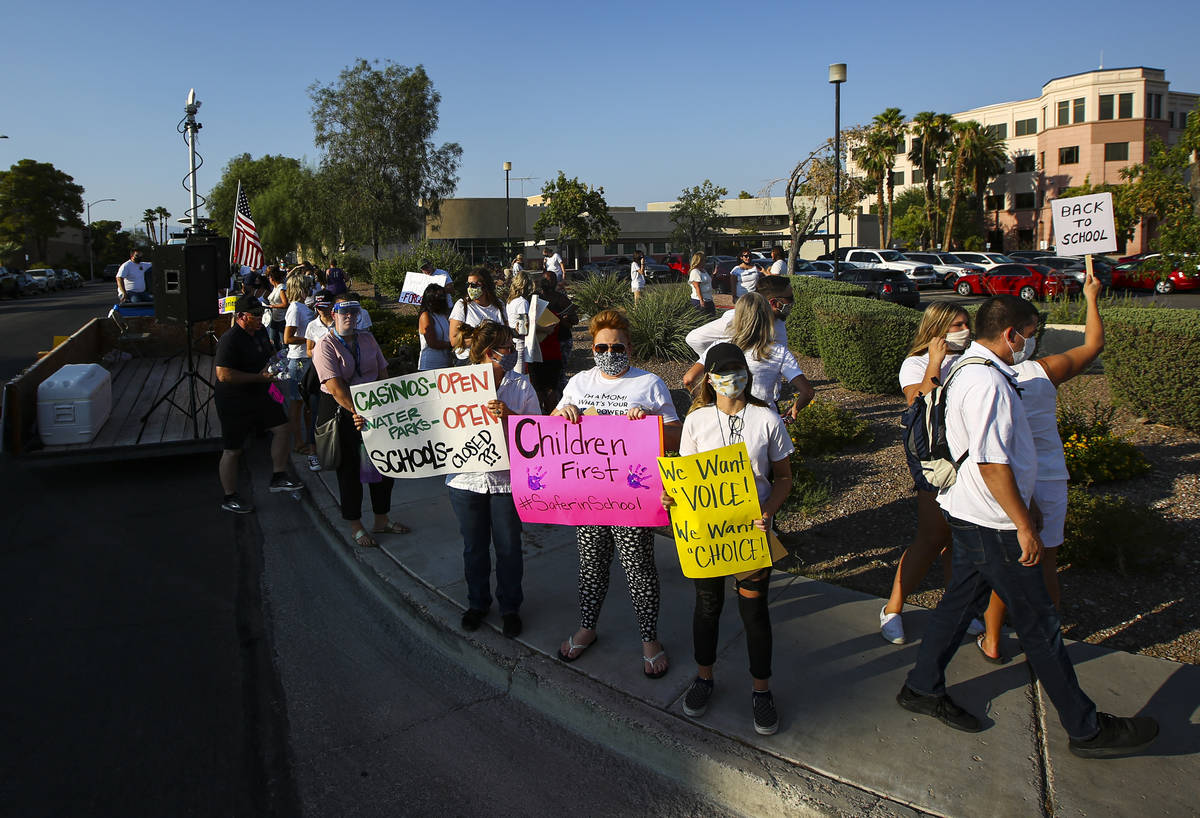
(889, 123)
(283, 195)
(36, 200)
(745, 194)
(872, 158)
(110, 244)
(162, 215)
(979, 154)
(931, 133)
(388, 274)
(1158, 192)
(149, 220)
(811, 184)
(697, 216)
(578, 211)
(376, 127)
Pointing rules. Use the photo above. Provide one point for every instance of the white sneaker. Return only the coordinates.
(313, 463)
(891, 626)
(976, 627)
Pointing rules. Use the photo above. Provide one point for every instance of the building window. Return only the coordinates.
(1171, 118)
(916, 145)
(1026, 127)
(998, 131)
(1125, 106)
(1155, 101)
(995, 202)
(610, 249)
(1024, 164)
(1064, 113)
(900, 146)
(1079, 111)
(1106, 106)
(659, 247)
(1024, 201)
(897, 178)
(1068, 156)
(1116, 151)
(917, 177)
(628, 248)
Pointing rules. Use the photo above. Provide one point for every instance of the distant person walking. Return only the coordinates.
(553, 262)
(778, 262)
(131, 280)
(637, 275)
(744, 275)
(336, 280)
(700, 280)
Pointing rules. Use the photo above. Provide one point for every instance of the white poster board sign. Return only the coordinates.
(432, 423)
(415, 284)
(1084, 225)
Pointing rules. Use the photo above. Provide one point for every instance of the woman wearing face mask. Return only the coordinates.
(771, 363)
(1039, 381)
(479, 306)
(944, 332)
(433, 327)
(613, 387)
(726, 412)
(700, 281)
(483, 502)
(343, 358)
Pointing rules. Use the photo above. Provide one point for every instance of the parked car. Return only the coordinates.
(947, 266)
(30, 285)
(67, 280)
(919, 274)
(46, 275)
(9, 288)
(842, 252)
(592, 269)
(1026, 255)
(886, 285)
(655, 272)
(1133, 275)
(824, 269)
(110, 272)
(985, 260)
(1077, 268)
(677, 263)
(1027, 281)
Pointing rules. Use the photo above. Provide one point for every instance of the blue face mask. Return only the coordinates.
(508, 360)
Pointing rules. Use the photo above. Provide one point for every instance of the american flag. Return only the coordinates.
(247, 249)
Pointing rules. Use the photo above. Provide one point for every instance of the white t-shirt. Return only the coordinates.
(613, 396)
(473, 314)
(298, 315)
(747, 280)
(518, 394)
(274, 298)
(766, 438)
(701, 277)
(720, 329)
(1040, 398)
(912, 371)
(769, 373)
(985, 416)
(315, 330)
(554, 265)
(518, 319)
(778, 267)
(636, 278)
(134, 273)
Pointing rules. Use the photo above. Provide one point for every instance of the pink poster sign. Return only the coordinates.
(600, 471)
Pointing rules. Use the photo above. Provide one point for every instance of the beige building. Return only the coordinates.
(1087, 125)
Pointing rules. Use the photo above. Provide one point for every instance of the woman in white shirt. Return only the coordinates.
(726, 412)
(483, 502)
(944, 332)
(296, 319)
(613, 387)
(480, 305)
(518, 264)
(637, 274)
(517, 312)
(433, 328)
(701, 283)
(277, 300)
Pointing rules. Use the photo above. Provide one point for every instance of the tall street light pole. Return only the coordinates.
(91, 255)
(507, 220)
(837, 75)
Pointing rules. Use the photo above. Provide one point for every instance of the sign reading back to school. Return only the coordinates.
(716, 504)
(599, 471)
(432, 422)
(1084, 225)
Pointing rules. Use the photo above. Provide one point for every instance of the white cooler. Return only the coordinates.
(73, 404)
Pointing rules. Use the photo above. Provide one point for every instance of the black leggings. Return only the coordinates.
(756, 618)
(349, 481)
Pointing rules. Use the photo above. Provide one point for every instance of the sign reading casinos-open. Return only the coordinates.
(1084, 225)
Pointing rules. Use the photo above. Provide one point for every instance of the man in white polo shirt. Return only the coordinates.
(131, 280)
(996, 545)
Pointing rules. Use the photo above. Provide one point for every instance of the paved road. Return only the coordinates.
(166, 658)
(28, 325)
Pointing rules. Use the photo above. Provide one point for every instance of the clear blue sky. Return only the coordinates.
(643, 98)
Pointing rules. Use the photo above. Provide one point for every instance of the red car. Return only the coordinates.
(1028, 281)
(1132, 276)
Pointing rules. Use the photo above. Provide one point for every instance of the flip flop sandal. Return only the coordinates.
(649, 671)
(571, 647)
(394, 528)
(361, 535)
(995, 660)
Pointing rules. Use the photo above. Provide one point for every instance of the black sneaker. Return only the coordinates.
(941, 708)
(237, 505)
(696, 700)
(285, 483)
(472, 618)
(766, 720)
(512, 625)
(1117, 737)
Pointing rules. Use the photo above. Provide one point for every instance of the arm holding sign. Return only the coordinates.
(1064, 366)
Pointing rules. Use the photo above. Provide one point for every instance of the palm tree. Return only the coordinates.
(890, 123)
(163, 214)
(965, 136)
(987, 161)
(872, 158)
(931, 133)
(978, 152)
(149, 217)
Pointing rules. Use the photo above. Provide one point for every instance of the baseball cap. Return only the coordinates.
(248, 303)
(724, 357)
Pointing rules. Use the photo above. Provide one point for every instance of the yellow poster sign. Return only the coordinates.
(716, 504)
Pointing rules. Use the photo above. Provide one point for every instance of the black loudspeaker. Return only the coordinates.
(185, 279)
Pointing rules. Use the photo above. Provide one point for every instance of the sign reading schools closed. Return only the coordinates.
(432, 422)
(1084, 225)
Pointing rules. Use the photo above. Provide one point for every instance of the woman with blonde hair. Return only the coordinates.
(517, 311)
(944, 332)
(296, 319)
(701, 283)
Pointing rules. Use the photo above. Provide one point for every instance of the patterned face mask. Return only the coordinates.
(611, 363)
(474, 291)
(728, 386)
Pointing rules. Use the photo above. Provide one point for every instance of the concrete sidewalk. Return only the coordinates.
(844, 746)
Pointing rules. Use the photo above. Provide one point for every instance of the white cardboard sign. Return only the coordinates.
(1084, 225)
(415, 284)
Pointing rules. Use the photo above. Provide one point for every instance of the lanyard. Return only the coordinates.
(736, 424)
(354, 351)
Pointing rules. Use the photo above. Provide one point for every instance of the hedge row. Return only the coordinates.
(1152, 360)
(802, 334)
(863, 342)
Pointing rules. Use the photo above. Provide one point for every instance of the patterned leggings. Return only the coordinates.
(635, 546)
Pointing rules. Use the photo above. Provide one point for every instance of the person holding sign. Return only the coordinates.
(482, 501)
(613, 387)
(433, 327)
(480, 305)
(345, 357)
(726, 411)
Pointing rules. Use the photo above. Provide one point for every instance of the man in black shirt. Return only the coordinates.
(244, 404)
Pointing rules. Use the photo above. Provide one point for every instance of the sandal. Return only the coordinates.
(393, 528)
(572, 647)
(363, 538)
(995, 660)
(649, 670)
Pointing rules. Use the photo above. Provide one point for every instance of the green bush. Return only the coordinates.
(597, 293)
(809, 492)
(397, 337)
(862, 341)
(1065, 310)
(660, 321)
(824, 427)
(802, 338)
(388, 273)
(1152, 360)
(1108, 531)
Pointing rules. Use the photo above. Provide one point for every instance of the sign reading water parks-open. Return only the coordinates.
(432, 422)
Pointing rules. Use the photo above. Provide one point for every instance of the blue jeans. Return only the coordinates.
(139, 298)
(986, 559)
(486, 520)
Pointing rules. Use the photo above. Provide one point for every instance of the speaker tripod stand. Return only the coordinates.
(189, 376)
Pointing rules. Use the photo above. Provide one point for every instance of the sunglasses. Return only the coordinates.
(603, 348)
